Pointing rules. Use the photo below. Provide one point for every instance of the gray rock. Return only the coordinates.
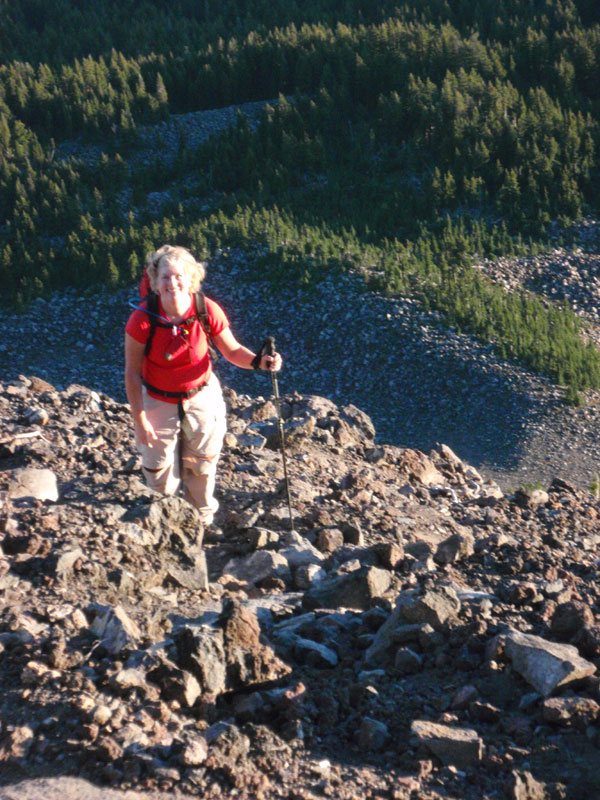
(407, 633)
(25, 629)
(359, 420)
(464, 697)
(138, 534)
(461, 747)
(227, 744)
(578, 711)
(195, 578)
(523, 786)
(329, 540)
(175, 683)
(531, 497)
(407, 661)
(201, 651)
(260, 538)
(380, 651)
(171, 521)
(434, 607)
(32, 484)
(545, 665)
(258, 566)
(351, 590)
(194, 752)
(113, 627)
(65, 788)
(429, 639)
(454, 548)
(374, 735)
(130, 678)
(307, 575)
(314, 653)
(251, 439)
(420, 467)
(37, 416)
(298, 551)
(65, 559)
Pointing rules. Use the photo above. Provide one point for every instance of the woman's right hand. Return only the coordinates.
(144, 431)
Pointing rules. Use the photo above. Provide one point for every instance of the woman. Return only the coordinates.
(176, 402)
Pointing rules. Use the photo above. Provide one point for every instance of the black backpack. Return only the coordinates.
(155, 322)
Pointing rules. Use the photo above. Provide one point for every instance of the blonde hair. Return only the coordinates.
(171, 254)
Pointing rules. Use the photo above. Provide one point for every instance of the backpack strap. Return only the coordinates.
(203, 319)
(202, 312)
(152, 309)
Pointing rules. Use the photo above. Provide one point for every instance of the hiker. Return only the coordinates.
(176, 401)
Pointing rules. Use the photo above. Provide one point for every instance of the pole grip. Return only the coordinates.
(270, 346)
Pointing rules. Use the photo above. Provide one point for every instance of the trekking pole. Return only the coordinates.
(269, 350)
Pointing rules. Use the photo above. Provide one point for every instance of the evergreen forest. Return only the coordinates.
(403, 140)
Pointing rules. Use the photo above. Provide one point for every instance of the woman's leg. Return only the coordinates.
(160, 462)
(203, 429)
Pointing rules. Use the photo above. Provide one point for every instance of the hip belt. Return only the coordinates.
(176, 395)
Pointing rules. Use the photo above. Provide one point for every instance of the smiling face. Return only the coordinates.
(174, 285)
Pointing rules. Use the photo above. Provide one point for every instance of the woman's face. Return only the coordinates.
(173, 283)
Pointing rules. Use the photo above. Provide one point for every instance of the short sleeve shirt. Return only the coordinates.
(179, 358)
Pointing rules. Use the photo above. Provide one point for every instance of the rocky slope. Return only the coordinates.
(420, 382)
(345, 343)
(419, 634)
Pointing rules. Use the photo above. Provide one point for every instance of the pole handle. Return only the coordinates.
(269, 346)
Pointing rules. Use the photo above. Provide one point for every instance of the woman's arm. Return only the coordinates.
(242, 357)
(134, 358)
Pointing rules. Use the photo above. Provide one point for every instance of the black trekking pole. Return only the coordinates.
(269, 349)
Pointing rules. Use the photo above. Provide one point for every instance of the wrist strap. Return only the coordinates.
(255, 363)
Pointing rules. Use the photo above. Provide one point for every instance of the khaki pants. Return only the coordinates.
(201, 439)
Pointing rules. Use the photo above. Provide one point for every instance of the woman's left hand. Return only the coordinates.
(271, 363)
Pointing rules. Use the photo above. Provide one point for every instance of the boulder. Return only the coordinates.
(201, 651)
(570, 617)
(258, 566)
(170, 520)
(194, 578)
(523, 786)
(67, 788)
(374, 735)
(113, 627)
(577, 711)
(420, 468)
(30, 483)
(543, 664)
(455, 548)
(249, 659)
(315, 654)
(298, 551)
(461, 747)
(350, 590)
(329, 540)
(434, 607)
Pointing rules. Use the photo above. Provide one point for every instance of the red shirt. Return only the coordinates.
(189, 363)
